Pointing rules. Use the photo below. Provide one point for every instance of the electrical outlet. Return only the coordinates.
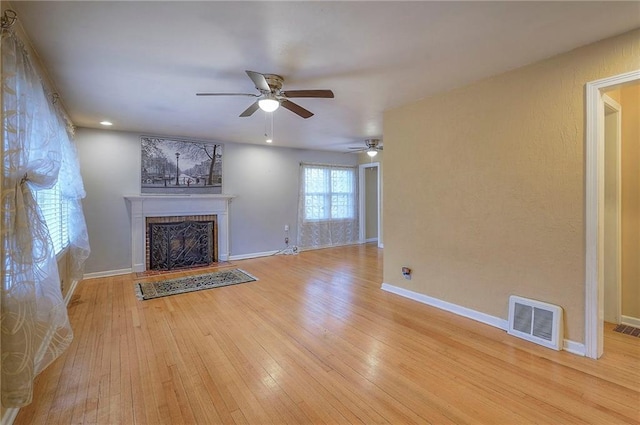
(406, 272)
(286, 227)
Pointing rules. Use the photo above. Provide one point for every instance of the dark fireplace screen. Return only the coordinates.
(181, 245)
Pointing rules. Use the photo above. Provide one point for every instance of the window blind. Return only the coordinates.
(55, 210)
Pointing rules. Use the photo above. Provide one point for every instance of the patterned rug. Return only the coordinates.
(150, 290)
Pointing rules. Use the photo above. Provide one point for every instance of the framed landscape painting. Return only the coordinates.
(173, 166)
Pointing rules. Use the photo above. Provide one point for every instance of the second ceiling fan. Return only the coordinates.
(372, 147)
(272, 96)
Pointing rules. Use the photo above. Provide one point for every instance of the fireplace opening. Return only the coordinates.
(181, 242)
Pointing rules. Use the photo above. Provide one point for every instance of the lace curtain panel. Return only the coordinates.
(327, 206)
(37, 154)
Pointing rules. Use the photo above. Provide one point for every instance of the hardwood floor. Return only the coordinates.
(316, 340)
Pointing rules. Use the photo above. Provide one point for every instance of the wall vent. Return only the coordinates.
(536, 321)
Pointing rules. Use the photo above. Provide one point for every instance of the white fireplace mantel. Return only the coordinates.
(143, 206)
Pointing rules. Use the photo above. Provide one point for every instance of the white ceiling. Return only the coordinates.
(139, 64)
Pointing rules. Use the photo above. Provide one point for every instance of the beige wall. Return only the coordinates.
(484, 185)
(630, 102)
(614, 94)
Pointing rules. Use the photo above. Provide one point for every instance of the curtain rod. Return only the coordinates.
(7, 21)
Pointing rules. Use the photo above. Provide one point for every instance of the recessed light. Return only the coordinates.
(269, 141)
(106, 123)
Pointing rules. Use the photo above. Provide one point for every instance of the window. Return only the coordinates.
(329, 193)
(55, 210)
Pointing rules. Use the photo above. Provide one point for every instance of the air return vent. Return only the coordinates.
(536, 321)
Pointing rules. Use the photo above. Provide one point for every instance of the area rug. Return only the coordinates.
(181, 285)
(627, 330)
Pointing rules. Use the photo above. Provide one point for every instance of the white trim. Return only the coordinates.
(573, 347)
(269, 253)
(594, 144)
(313, 248)
(380, 244)
(70, 292)
(143, 206)
(568, 345)
(444, 305)
(106, 273)
(371, 240)
(10, 415)
(630, 321)
(252, 255)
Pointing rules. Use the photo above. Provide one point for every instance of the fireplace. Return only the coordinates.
(185, 208)
(181, 242)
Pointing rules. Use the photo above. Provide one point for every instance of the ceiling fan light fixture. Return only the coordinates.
(372, 152)
(268, 104)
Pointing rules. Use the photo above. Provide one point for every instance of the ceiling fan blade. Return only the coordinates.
(227, 94)
(250, 110)
(379, 148)
(296, 109)
(259, 80)
(309, 93)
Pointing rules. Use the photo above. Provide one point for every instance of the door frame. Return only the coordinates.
(362, 200)
(594, 209)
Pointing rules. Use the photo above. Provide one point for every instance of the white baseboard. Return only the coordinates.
(107, 273)
(380, 244)
(313, 248)
(252, 255)
(371, 240)
(9, 415)
(573, 347)
(269, 253)
(630, 321)
(568, 345)
(70, 292)
(447, 306)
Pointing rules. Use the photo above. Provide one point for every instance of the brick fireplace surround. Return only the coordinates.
(143, 206)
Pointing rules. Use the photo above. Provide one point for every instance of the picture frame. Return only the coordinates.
(180, 166)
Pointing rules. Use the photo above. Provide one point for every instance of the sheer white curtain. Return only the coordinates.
(327, 205)
(37, 151)
(72, 189)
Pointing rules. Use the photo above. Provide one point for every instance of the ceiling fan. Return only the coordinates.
(272, 96)
(373, 146)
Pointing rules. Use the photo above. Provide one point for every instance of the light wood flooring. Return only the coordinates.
(316, 340)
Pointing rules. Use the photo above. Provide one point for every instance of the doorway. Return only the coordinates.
(369, 177)
(595, 208)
